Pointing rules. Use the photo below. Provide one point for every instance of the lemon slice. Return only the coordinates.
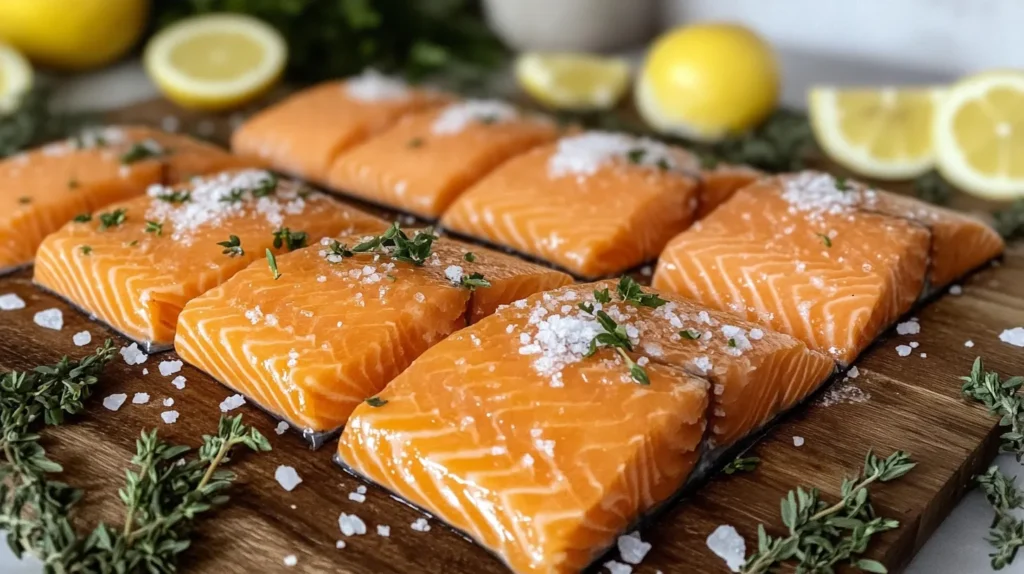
(979, 135)
(15, 78)
(216, 61)
(885, 133)
(573, 81)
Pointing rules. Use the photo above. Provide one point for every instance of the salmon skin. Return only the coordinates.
(303, 134)
(594, 204)
(337, 326)
(135, 265)
(543, 448)
(798, 254)
(46, 187)
(425, 161)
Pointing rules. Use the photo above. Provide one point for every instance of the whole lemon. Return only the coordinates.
(708, 80)
(72, 34)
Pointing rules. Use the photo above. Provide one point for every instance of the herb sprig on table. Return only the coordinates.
(162, 497)
(822, 536)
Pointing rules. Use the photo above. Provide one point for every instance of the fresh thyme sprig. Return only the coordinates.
(473, 280)
(741, 464)
(235, 195)
(266, 187)
(142, 150)
(232, 247)
(821, 536)
(932, 188)
(631, 292)
(1006, 534)
(1010, 221)
(113, 219)
(292, 239)
(175, 197)
(337, 250)
(272, 263)
(397, 245)
(83, 218)
(155, 227)
(615, 337)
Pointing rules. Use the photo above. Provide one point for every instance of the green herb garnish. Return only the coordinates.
(1006, 534)
(690, 334)
(746, 464)
(397, 245)
(415, 143)
(25, 200)
(85, 249)
(821, 536)
(132, 243)
(272, 262)
(469, 256)
(615, 337)
(266, 187)
(376, 401)
(488, 119)
(1010, 221)
(663, 164)
(292, 239)
(140, 151)
(825, 239)
(232, 247)
(156, 227)
(842, 184)
(113, 219)
(236, 195)
(175, 197)
(602, 296)
(83, 218)
(636, 155)
(732, 343)
(932, 188)
(339, 249)
(473, 280)
(631, 292)
(72, 183)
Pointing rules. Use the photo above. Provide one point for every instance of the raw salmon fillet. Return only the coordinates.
(45, 188)
(136, 265)
(595, 204)
(334, 330)
(303, 134)
(798, 254)
(543, 470)
(425, 161)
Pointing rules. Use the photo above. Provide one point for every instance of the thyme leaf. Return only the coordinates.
(232, 247)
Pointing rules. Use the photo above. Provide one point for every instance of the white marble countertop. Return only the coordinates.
(957, 547)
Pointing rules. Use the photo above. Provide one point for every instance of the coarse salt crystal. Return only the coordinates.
(49, 319)
(817, 193)
(11, 302)
(82, 338)
(281, 427)
(114, 402)
(339, 544)
(133, 355)
(168, 368)
(453, 273)
(968, 343)
(232, 402)
(956, 290)
(798, 441)
(351, 525)
(924, 355)
(140, 398)
(1013, 336)
(168, 402)
(372, 86)
(383, 530)
(903, 350)
(584, 154)
(454, 118)
(169, 417)
(356, 497)
(914, 344)
(618, 567)
(756, 334)
(287, 477)
(178, 382)
(632, 549)
(908, 328)
(728, 545)
(145, 371)
(290, 560)
(420, 525)
(853, 373)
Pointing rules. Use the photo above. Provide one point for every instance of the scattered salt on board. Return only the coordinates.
(287, 477)
(133, 355)
(1013, 336)
(631, 549)
(168, 402)
(231, 403)
(798, 441)
(853, 373)
(618, 567)
(908, 328)
(729, 546)
(384, 530)
(351, 525)
(49, 319)
(357, 497)
(11, 302)
(956, 290)
(281, 427)
(339, 544)
(290, 560)
(968, 343)
(178, 382)
(140, 398)
(421, 525)
(170, 417)
(114, 402)
(82, 338)
(168, 368)
(903, 350)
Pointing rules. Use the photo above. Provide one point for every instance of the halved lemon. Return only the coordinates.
(15, 78)
(979, 135)
(573, 81)
(216, 61)
(885, 133)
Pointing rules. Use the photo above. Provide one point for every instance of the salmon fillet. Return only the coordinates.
(544, 475)
(425, 161)
(595, 204)
(333, 330)
(797, 254)
(303, 134)
(46, 187)
(136, 265)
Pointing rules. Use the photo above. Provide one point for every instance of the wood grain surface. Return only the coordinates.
(914, 404)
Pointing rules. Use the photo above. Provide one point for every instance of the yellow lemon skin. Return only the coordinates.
(72, 34)
(706, 81)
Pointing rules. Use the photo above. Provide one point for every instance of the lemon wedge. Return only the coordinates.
(15, 78)
(573, 81)
(979, 135)
(885, 133)
(706, 81)
(217, 61)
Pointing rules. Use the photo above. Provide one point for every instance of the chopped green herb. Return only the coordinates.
(744, 464)
(1010, 221)
(376, 402)
(83, 218)
(636, 155)
(266, 187)
(825, 239)
(272, 262)
(631, 292)
(469, 256)
(140, 151)
(415, 142)
(24, 200)
(489, 119)
(338, 249)
(473, 280)
(132, 243)
(932, 188)
(292, 239)
(232, 247)
(113, 219)
(615, 337)
(85, 249)
(156, 227)
(72, 183)
(663, 164)
(732, 342)
(690, 334)
(842, 184)
(175, 197)
(397, 245)
(602, 296)
(236, 195)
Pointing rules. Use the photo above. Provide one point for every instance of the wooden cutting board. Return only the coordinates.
(913, 404)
